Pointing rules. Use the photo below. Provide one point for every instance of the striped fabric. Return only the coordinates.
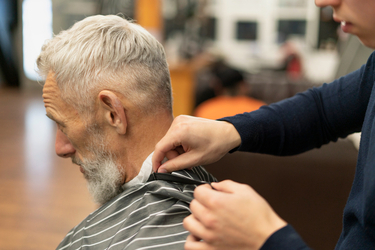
(145, 216)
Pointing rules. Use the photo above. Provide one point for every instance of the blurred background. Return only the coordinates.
(269, 50)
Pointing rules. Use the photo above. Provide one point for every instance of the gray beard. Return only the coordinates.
(104, 179)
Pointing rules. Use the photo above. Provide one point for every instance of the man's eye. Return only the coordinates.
(59, 127)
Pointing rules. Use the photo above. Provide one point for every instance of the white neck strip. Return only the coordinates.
(143, 174)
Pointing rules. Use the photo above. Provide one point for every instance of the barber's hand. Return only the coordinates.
(233, 216)
(192, 141)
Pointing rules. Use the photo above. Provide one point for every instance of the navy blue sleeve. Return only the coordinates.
(309, 119)
(285, 238)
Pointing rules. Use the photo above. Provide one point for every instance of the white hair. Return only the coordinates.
(103, 175)
(108, 52)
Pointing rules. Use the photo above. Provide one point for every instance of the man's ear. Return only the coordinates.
(112, 110)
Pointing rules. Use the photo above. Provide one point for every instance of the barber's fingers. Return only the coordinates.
(228, 186)
(170, 147)
(193, 238)
(161, 150)
(196, 228)
(224, 191)
(182, 161)
(174, 153)
(178, 158)
(194, 243)
(172, 140)
(209, 197)
(203, 215)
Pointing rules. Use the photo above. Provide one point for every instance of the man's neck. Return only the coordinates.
(141, 141)
(143, 174)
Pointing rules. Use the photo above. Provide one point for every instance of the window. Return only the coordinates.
(37, 27)
(208, 30)
(246, 30)
(292, 3)
(286, 28)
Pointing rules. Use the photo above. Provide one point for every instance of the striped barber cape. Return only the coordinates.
(146, 216)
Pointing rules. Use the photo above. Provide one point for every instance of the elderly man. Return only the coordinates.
(108, 90)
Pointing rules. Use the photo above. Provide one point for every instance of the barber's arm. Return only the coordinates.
(305, 121)
(234, 216)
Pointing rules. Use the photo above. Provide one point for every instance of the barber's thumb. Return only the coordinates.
(227, 186)
(167, 167)
(160, 167)
(177, 163)
(162, 170)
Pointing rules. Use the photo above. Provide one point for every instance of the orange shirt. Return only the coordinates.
(222, 106)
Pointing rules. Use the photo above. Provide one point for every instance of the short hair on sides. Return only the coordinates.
(108, 52)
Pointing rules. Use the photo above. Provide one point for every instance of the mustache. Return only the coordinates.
(77, 161)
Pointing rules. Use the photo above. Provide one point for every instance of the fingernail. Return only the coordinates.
(162, 170)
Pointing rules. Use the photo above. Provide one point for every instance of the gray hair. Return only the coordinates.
(108, 52)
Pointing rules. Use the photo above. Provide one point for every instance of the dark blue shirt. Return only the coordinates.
(314, 118)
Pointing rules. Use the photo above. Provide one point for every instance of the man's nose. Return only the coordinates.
(63, 146)
(323, 3)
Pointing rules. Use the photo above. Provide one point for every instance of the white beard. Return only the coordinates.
(104, 179)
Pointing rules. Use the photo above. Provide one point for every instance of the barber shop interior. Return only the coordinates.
(72, 104)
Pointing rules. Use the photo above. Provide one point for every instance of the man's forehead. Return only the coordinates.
(52, 95)
(57, 109)
(50, 88)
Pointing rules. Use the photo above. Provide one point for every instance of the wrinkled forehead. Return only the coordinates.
(50, 89)
(53, 102)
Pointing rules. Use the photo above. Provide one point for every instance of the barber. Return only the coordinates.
(234, 216)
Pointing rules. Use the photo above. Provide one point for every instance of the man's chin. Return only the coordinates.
(102, 195)
(104, 180)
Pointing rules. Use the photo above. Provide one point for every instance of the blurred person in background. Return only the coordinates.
(231, 94)
(108, 89)
(234, 216)
(292, 63)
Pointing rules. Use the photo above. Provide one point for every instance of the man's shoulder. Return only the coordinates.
(146, 214)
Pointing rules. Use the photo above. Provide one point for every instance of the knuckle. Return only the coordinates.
(211, 222)
(246, 187)
(188, 245)
(186, 222)
(181, 122)
(215, 201)
(210, 238)
(158, 146)
(199, 194)
(227, 182)
(180, 126)
(179, 119)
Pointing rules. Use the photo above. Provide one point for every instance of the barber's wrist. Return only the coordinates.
(232, 137)
(274, 224)
(285, 238)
